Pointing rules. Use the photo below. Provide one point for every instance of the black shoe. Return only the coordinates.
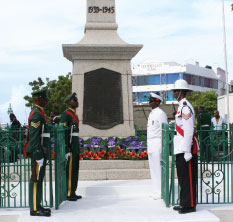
(40, 213)
(71, 198)
(44, 209)
(177, 208)
(78, 196)
(185, 210)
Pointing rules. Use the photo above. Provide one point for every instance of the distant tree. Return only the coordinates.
(207, 99)
(57, 91)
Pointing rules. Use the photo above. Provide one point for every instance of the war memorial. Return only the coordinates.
(113, 189)
(102, 74)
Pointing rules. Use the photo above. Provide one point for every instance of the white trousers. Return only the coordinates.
(155, 171)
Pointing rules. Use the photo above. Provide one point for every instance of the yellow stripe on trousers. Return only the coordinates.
(35, 188)
(70, 172)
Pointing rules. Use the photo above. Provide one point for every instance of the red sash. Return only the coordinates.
(73, 116)
(26, 142)
(45, 117)
(195, 143)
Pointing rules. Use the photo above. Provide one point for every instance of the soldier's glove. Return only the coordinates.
(40, 162)
(188, 156)
(67, 155)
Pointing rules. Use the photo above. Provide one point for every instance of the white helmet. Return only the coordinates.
(156, 96)
(181, 84)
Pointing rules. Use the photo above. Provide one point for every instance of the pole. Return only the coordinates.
(226, 69)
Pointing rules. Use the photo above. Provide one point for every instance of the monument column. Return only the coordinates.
(102, 74)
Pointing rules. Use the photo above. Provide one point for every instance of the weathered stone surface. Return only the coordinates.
(102, 48)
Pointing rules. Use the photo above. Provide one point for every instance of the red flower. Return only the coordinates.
(53, 155)
(141, 155)
(95, 157)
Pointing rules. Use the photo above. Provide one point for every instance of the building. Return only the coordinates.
(222, 107)
(156, 76)
(231, 87)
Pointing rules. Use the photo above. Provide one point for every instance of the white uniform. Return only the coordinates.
(185, 118)
(154, 146)
(186, 153)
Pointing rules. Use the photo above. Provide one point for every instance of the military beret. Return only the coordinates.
(42, 93)
(201, 107)
(71, 96)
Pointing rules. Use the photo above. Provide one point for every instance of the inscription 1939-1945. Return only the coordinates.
(104, 9)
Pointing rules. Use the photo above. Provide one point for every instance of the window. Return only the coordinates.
(146, 80)
(170, 96)
(188, 78)
(142, 96)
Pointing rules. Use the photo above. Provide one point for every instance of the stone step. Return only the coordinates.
(113, 170)
(113, 164)
(114, 174)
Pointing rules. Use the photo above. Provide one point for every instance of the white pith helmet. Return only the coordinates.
(181, 84)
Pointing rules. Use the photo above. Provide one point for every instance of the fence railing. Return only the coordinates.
(215, 165)
(15, 169)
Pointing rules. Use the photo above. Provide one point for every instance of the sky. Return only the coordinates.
(32, 34)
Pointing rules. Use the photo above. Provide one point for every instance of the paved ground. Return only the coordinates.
(126, 201)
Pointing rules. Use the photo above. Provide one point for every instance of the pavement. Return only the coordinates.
(120, 200)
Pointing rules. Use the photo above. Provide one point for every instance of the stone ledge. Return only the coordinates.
(113, 164)
(114, 174)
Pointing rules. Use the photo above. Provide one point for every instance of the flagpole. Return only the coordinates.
(226, 69)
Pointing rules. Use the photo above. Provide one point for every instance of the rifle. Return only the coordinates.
(144, 113)
(174, 108)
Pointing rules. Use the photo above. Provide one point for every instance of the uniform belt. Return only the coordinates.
(206, 125)
(74, 134)
(45, 135)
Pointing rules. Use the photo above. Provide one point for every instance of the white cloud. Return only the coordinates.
(170, 30)
(18, 105)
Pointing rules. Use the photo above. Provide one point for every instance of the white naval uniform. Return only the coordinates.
(186, 153)
(154, 146)
(184, 118)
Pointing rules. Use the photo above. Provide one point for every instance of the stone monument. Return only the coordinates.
(102, 74)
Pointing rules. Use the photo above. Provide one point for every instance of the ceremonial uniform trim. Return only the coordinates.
(70, 173)
(35, 125)
(35, 188)
(191, 183)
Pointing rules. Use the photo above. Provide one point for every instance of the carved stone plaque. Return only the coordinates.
(102, 106)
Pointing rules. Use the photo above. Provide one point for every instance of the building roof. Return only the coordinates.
(155, 66)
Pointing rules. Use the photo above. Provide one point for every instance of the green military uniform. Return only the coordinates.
(37, 149)
(70, 119)
(203, 124)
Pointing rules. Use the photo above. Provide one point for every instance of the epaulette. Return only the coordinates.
(185, 104)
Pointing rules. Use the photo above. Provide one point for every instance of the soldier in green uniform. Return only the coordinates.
(70, 119)
(203, 124)
(37, 148)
